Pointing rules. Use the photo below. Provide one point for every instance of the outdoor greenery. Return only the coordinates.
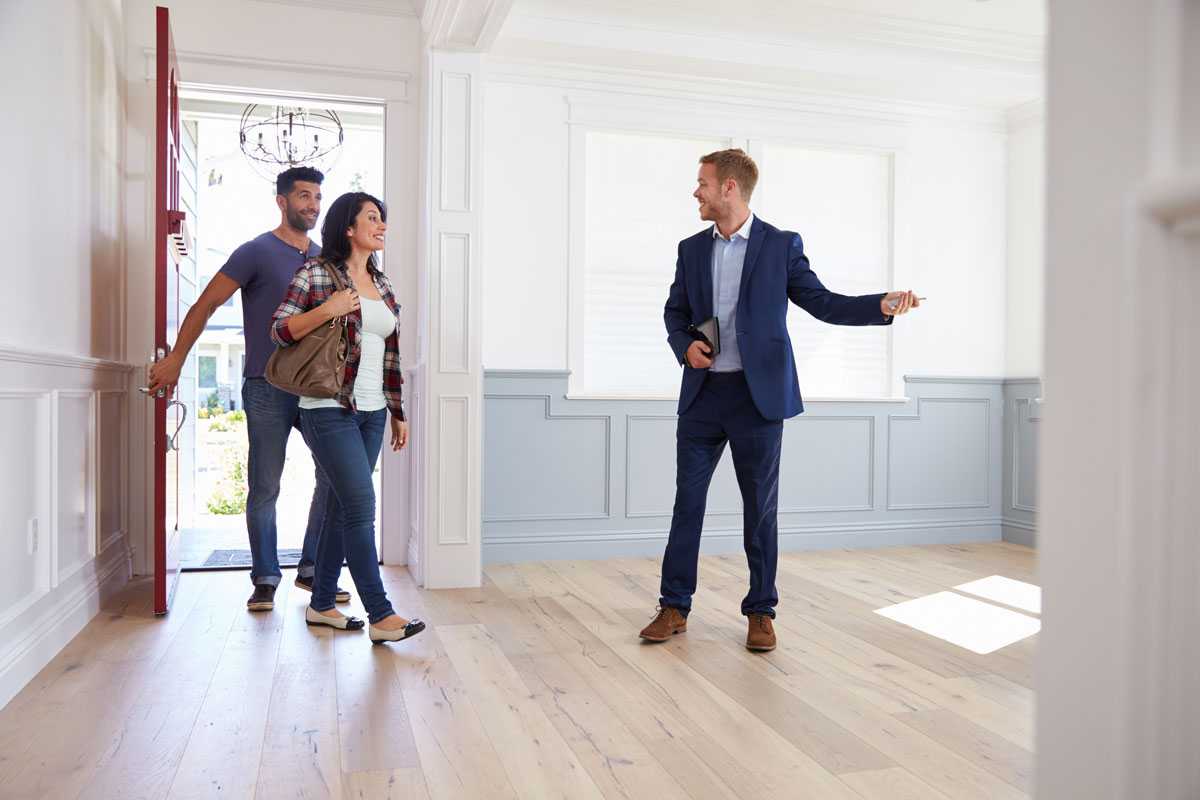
(213, 402)
(229, 494)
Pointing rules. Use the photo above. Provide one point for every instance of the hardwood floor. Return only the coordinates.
(536, 686)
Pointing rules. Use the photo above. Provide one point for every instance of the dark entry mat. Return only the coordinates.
(241, 558)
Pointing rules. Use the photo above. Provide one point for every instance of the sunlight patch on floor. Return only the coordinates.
(1008, 591)
(964, 621)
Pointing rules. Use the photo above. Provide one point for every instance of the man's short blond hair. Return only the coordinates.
(734, 163)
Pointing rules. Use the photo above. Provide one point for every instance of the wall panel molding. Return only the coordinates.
(63, 470)
(981, 461)
(47, 625)
(1026, 412)
(1022, 423)
(73, 443)
(840, 501)
(112, 467)
(602, 447)
(454, 474)
(21, 355)
(454, 302)
(455, 155)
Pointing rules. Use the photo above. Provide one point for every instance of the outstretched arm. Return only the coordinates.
(165, 374)
(806, 290)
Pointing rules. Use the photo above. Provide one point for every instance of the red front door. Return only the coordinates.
(169, 414)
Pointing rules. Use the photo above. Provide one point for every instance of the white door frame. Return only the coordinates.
(391, 89)
(1118, 674)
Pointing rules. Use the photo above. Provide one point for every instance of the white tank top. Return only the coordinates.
(377, 324)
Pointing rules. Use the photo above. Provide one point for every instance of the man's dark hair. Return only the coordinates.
(286, 180)
(335, 244)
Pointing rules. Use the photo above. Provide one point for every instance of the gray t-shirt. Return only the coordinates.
(264, 268)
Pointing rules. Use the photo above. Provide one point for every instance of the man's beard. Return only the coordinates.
(298, 220)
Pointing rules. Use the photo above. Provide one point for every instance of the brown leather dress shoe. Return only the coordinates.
(761, 636)
(669, 622)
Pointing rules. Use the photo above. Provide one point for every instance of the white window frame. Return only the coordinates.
(750, 129)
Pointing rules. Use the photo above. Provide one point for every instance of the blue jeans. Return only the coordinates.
(346, 445)
(724, 412)
(270, 416)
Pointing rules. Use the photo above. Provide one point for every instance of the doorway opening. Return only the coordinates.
(229, 198)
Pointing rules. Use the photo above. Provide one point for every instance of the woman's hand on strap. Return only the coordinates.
(341, 303)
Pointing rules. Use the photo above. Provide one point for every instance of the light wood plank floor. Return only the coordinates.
(536, 686)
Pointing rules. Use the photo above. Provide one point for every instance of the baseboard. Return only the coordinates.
(1019, 532)
(719, 541)
(49, 624)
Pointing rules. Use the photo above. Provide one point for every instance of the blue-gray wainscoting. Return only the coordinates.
(1022, 412)
(595, 478)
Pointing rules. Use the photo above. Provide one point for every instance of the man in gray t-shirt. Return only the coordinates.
(263, 269)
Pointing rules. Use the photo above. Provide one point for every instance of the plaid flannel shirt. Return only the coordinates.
(312, 286)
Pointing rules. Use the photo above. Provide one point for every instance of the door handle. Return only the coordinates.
(172, 440)
(159, 355)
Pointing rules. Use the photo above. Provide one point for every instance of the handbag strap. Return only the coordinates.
(332, 269)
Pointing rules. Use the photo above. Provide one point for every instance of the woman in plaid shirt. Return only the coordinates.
(345, 433)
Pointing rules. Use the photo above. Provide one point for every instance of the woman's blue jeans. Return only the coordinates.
(346, 445)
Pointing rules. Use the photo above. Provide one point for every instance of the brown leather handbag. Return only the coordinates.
(315, 366)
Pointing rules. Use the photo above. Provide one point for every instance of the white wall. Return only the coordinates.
(950, 213)
(63, 384)
(275, 47)
(64, 136)
(1026, 242)
(951, 248)
(525, 227)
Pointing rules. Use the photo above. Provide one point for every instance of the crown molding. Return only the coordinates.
(378, 8)
(927, 35)
(470, 25)
(393, 83)
(814, 60)
(653, 85)
(823, 23)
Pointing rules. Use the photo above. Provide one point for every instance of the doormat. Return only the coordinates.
(241, 558)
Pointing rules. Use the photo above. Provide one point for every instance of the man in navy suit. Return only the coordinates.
(742, 271)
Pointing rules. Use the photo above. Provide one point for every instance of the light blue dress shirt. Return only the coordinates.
(729, 255)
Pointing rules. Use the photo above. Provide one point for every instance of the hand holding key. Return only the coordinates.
(894, 304)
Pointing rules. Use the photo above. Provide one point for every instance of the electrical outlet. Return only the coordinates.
(33, 536)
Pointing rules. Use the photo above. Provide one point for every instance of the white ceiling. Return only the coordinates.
(1025, 17)
(980, 54)
(976, 53)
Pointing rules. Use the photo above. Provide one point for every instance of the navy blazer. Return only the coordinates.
(775, 271)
